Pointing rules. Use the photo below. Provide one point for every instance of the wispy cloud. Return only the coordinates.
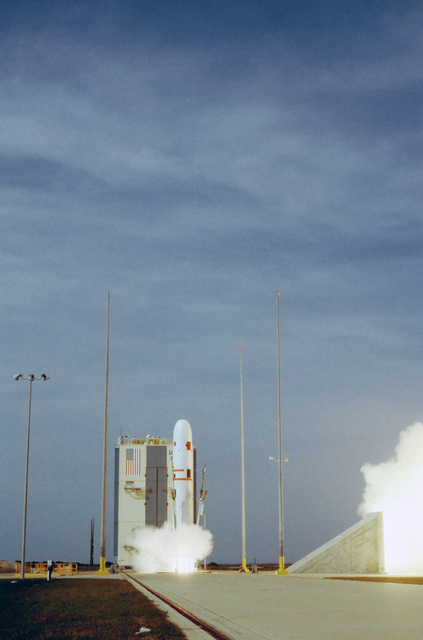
(193, 179)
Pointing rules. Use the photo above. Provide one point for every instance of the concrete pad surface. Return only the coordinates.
(191, 630)
(264, 605)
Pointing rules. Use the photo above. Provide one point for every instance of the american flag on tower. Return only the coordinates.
(133, 462)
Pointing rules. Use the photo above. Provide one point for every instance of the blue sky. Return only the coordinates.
(192, 158)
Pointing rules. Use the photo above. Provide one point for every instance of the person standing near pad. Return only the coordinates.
(50, 567)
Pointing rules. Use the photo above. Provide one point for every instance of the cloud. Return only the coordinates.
(192, 178)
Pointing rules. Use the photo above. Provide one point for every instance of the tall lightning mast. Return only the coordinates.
(103, 571)
(281, 570)
(244, 544)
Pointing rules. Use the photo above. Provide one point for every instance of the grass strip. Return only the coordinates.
(79, 609)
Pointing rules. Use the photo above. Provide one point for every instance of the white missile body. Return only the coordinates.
(183, 472)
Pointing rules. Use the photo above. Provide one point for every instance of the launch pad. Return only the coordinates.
(252, 606)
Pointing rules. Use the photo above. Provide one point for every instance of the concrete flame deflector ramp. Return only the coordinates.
(359, 549)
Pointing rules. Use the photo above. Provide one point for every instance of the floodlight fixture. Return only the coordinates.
(31, 377)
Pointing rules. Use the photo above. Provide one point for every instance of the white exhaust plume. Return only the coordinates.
(168, 549)
(396, 488)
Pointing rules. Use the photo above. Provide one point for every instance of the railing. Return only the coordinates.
(40, 568)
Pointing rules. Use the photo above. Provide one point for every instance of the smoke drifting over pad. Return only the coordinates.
(396, 488)
(166, 549)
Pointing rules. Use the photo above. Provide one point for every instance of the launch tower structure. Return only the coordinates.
(143, 489)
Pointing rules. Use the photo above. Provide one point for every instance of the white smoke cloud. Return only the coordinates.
(396, 488)
(168, 549)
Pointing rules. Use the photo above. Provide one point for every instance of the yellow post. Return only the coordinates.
(102, 571)
(282, 571)
(244, 568)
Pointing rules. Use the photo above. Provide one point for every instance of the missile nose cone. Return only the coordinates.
(182, 431)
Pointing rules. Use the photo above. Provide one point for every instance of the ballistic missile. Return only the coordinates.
(183, 472)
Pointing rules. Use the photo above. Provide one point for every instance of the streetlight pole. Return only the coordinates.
(281, 571)
(31, 378)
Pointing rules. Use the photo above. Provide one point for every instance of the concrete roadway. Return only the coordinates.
(296, 607)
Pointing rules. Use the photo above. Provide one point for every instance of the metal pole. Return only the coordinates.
(103, 570)
(92, 544)
(26, 484)
(281, 570)
(244, 545)
(205, 557)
